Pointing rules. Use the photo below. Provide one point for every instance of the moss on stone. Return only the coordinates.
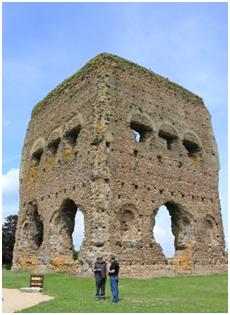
(33, 172)
(196, 159)
(49, 163)
(96, 61)
(177, 86)
(68, 151)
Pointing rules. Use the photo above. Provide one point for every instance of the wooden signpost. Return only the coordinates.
(36, 281)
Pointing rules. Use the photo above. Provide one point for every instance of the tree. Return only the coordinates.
(8, 238)
(75, 253)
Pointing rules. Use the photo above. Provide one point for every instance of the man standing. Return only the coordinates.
(113, 272)
(100, 271)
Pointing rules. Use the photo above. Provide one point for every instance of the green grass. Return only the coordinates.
(182, 294)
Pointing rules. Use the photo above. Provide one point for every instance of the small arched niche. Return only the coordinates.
(141, 128)
(192, 144)
(175, 227)
(36, 156)
(72, 131)
(53, 146)
(169, 134)
(37, 151)
(71, 135)
(64, 225)
(54, 141)
(129, 223)
(32, 228)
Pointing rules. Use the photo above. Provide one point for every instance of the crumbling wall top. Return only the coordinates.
(94, 65)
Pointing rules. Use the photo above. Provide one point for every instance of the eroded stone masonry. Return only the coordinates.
(80, 152)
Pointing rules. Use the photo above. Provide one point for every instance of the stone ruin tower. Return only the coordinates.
(80, 152)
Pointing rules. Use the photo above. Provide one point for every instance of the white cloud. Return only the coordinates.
(10, 182)
(10, 192)
(164, 237)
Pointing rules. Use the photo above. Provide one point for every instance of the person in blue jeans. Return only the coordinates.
(113, 273)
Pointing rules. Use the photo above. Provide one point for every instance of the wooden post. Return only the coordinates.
(36, 281)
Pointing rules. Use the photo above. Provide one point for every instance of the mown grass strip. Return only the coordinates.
(206, 294)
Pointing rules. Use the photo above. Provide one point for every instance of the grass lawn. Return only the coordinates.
(181, 294)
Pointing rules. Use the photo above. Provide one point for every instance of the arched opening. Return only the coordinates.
(71, 135)
(173, 226)
(192, 145)
(63, 236)
(168, 138)
(53, 146)
(141, 132)
(167, 133)
(137, 135)
(162, 232)
(36, 156)
(37, 151)
(78, 233)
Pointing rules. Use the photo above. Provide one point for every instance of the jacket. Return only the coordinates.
(100, 265)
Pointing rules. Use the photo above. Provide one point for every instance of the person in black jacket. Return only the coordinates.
(113, 273)
(100, 271)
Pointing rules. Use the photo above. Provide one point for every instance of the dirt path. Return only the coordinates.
(14, 300)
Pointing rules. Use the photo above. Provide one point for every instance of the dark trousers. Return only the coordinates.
(114, 288)
(100, 287)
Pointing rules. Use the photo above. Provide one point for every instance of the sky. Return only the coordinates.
(44, 43)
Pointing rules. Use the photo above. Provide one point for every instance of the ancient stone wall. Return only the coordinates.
(80, 152)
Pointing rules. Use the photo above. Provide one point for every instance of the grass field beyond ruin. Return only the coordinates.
(181, 294)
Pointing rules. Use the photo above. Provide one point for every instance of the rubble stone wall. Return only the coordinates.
(80, 152)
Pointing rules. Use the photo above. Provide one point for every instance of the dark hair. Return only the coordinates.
(113, 257)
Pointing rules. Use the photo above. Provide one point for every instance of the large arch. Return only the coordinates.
(162, 232)
(181, 224)
(63, 223)
(78, 234)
